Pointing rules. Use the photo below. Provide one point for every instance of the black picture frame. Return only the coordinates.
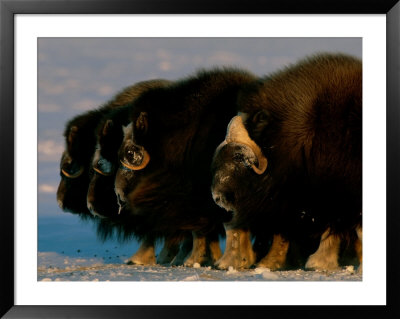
(8, 10)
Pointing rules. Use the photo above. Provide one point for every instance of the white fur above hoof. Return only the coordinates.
(235, 261)
(318, 262)
(270, 264)
(141, 261)
(192, 261)
(144, 256)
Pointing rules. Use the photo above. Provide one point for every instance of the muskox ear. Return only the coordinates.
(142, 123)
(107, 127)
(260, 121)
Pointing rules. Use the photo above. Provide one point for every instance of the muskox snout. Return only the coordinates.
(225, 199)
(61, 194)
(91, 199)
(222, 191)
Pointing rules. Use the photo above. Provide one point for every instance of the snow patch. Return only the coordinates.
(268, 275)
(58, 267)
(231, 270)
(192, 278)
(350, 269)
(260, 270)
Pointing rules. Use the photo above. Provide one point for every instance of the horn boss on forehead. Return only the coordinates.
(133, 156)
(237, 133)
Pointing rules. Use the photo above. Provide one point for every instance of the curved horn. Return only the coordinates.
(146, 160)
(75, 175)
(237, 133)
(101, 172)
(262, 163)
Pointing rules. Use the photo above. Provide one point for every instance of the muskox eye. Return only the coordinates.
(238, 157)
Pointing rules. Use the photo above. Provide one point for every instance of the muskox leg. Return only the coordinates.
(205, 251)
(184, 250)
(358, 247)
(238, 250)
(169, 251)
(276, 257)
(145, 254)
(327, 254)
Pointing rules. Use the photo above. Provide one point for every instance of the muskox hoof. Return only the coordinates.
(272, 264)
(317, 262)
(144, 256)
(205, 252)
(235, 261)
(327, 255)
(276, 257)
(142, 260)
(201, 260)
(239, 252)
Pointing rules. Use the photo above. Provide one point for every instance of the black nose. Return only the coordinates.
(230, 197)
(224, 198)
(217, 199)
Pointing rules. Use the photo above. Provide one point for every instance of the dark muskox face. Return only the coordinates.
(133, 158)
(101, 198)
(72, 163)
(105, 158)
(71, 193)
(238, 163)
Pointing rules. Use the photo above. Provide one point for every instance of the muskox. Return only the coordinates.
(101, 197)
(80, 141)
(166, 156)
(291, 162)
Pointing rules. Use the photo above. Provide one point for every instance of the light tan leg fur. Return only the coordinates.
(145, 254)
(276, 257)
(327, 254)
(205, 252)
(358, 247)
(239, 252)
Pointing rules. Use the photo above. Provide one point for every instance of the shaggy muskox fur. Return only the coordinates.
(306, 123)
(166, 156)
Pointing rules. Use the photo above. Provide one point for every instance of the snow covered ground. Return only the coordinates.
(56, 267)
(70, 251)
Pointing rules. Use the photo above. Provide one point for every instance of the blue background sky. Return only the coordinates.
(79, 74)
